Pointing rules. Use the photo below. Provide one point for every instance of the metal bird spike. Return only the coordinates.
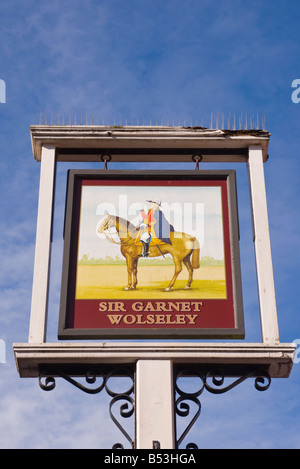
(240, 121)
(243, 122)
(264, 122)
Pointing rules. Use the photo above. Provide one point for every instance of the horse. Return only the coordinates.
(183, 249)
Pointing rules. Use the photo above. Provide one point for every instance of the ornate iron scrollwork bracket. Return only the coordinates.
(187, 404)
(213, 382)
(95, 382)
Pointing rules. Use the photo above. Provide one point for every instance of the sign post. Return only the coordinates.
(39, 303)
(155, 426)
(265, 277)
(150, 285)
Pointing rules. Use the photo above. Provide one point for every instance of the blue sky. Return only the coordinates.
(147, 61)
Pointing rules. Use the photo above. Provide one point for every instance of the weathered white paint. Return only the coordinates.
(264, 266)
(39, 300)
(154, 404)
(104, 138)
(277, 359)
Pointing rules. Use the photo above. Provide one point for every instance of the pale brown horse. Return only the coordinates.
(183, 248)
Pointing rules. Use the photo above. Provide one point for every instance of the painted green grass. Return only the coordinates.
(206, 290)
(167, 260)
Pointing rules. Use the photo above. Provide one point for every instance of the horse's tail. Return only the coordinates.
(196, 254)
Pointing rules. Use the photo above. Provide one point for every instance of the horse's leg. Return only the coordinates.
(129, 271)
(178, 269)
(187, 263)
(134, 273)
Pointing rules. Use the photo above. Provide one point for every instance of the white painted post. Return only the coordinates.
(38, 317)
(154, 404)
(265, 278)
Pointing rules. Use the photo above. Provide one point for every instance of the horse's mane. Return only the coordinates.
(130, 227)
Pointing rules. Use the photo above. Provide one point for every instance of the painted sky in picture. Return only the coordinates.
(195, 211)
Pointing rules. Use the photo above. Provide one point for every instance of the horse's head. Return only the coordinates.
(107, 223)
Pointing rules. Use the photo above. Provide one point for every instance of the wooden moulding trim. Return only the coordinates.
(70, 141)
(277, 359)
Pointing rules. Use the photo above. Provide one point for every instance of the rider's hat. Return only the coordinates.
(155, 201)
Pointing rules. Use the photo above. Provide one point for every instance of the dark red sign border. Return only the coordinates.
(151, 319)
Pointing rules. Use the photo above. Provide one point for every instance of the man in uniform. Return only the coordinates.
(154, 227)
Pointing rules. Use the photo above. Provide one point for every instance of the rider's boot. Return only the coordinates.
(145, 249)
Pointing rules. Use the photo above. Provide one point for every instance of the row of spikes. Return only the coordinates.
(241, 122)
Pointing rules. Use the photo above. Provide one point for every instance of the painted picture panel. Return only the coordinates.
(151, 255)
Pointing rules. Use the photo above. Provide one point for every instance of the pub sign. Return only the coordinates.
(151, 255)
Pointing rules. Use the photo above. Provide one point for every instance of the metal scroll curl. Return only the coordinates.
(95, 382)
(49, 383)
(188, 404)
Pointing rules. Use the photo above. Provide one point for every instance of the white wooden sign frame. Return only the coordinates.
(154, 361)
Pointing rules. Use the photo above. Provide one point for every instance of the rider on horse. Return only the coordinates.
(153, 227)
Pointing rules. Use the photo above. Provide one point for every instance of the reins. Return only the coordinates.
(109, 236)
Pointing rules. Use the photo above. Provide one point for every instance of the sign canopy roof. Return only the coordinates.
(147, 143)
